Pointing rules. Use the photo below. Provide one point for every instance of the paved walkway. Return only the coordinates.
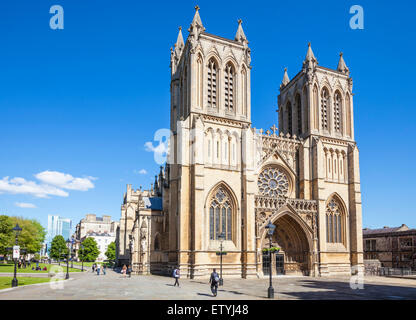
(89, 286)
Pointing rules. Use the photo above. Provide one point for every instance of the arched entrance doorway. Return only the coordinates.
(294, 257)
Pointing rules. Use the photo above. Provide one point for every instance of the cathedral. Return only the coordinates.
(225, 180)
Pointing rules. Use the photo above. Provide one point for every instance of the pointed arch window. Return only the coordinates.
(229, 82)
(244, 90)
(348, 111)
(220, 215)
(337, 112)
(289, 117)
(324, 108)
(316, 108)
(299, 113)
(334, 221)
(199, 81)
(212, 83)
(306, 109)
(157, 242)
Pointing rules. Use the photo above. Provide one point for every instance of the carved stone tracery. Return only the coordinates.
(273, 182)
(286, 147)
(267, 208)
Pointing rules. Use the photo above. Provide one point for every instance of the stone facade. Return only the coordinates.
(393, 247)
(224, 177)
(92, 223)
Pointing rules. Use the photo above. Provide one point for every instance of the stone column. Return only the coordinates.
(356, 237)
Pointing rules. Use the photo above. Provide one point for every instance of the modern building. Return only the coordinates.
(393, 247)
(57, 226)
(225, 180)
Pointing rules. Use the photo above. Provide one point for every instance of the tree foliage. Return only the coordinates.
(32, 235)
(111, 251)
(90, 251)
(58, 248)
(6, 234)
(30, 238)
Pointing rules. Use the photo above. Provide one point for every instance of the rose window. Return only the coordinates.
(273, 182)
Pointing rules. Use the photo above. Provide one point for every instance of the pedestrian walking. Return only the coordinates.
(129, 271)
(98, 269)
(214, 280)
(176, 275)
(93, 267)
(124, 270)
(104, 269)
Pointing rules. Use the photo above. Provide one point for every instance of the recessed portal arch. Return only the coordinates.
(293, 237)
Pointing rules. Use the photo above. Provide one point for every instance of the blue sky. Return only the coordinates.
(78, 105)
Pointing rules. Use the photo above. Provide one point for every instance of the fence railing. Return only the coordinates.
(385, 271)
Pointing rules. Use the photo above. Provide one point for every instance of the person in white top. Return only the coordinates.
(98, 269)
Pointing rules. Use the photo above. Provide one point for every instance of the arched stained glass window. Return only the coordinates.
(220, 215)
(334, 221)
(273, 182)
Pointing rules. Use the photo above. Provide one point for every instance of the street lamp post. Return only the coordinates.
(82, 257)
(17, 231)
(72, 258)
(131, 251)
(68, 245)
(270, 230)
(221, 237)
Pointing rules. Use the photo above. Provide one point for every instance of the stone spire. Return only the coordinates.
(196, 26)
(342, 67)
(285, 80)
(310, 60)
(240, 36)
(179, 43)
(156, 185)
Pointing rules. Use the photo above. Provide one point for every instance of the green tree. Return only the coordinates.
(111, 251)
(32, 235)
(6, 234)
(58, 248)
(90, 251)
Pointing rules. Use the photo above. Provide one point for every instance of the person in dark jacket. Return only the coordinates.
(214, 280)
(129, 271)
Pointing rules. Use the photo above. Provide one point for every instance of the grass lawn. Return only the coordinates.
(10, 268)
(6, 282)
(86, 264)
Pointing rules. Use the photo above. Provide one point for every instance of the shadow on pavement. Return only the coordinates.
(204, 294)
(338, 290)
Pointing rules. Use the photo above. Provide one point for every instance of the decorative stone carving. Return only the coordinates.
(286, 147)
(267, 207)
(273, 182)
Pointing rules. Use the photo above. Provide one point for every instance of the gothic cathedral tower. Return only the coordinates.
(317, 107)
(210, 151)
(226, 184)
